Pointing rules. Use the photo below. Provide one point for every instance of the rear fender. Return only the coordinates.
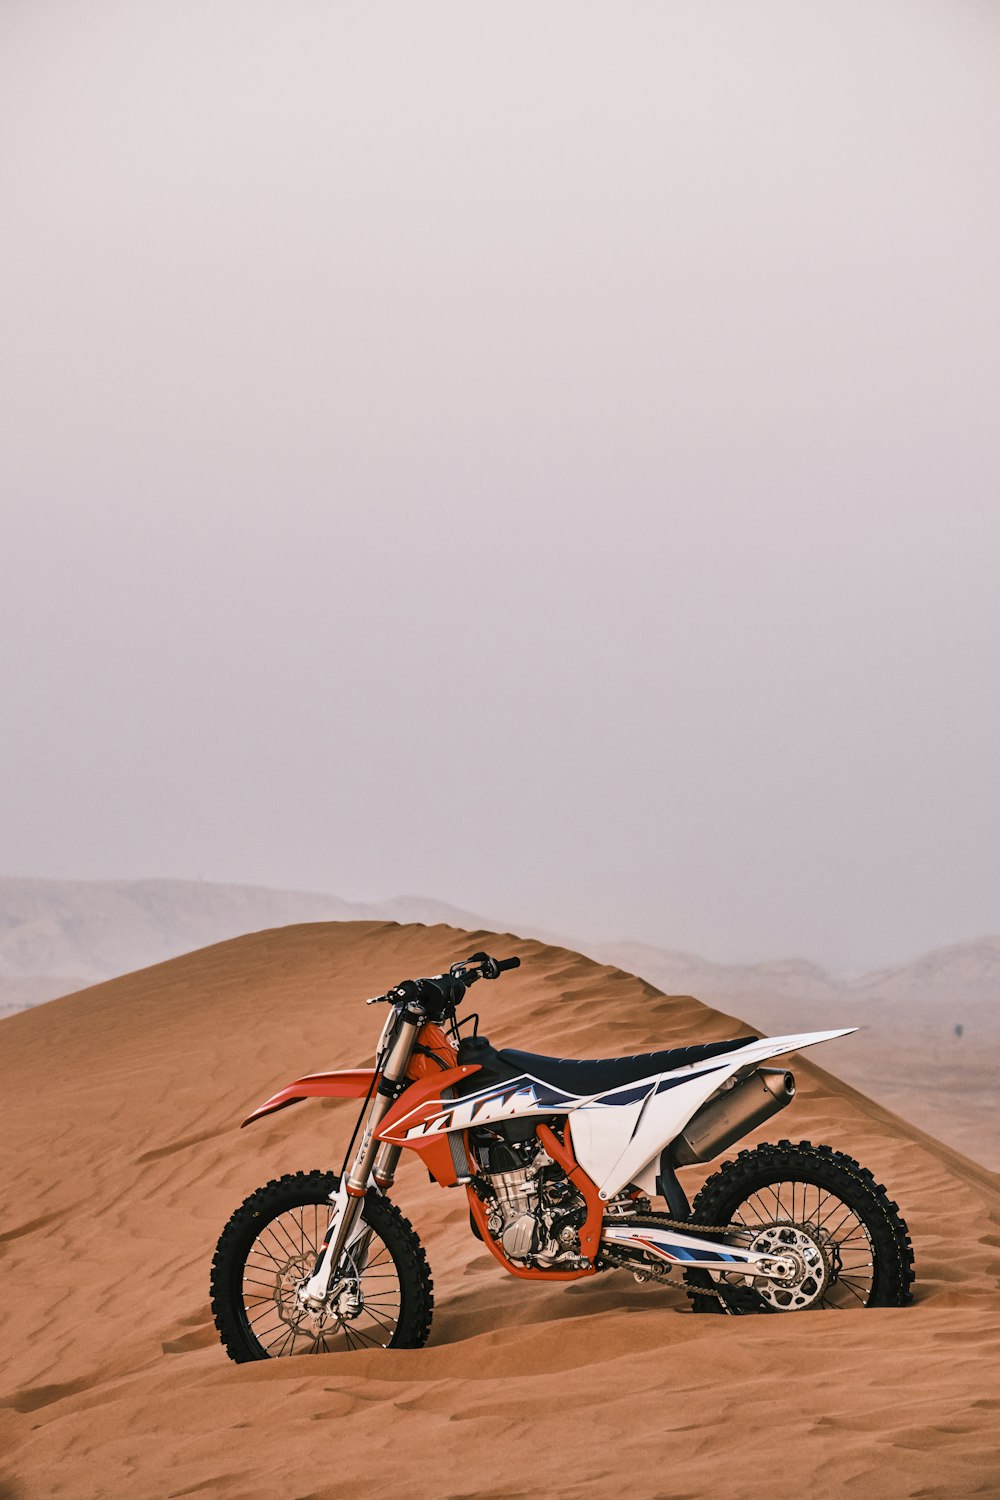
(353, 1083)
(673, 1099)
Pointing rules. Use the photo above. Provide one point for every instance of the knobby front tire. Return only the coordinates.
(816, 1186)
(273, 1240)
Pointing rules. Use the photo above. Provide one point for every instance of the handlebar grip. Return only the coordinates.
(507, 963)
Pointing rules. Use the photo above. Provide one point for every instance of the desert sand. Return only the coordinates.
(123, 1159)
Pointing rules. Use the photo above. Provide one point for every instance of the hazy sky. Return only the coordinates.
(543, 456)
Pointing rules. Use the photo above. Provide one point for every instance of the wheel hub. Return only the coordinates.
(802, 1251)
(296, 1313)
(343, 1303)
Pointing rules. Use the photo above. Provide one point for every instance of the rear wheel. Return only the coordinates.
(271, 1244)
(818, 1207)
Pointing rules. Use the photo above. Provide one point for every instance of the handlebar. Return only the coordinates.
(444, 991)
(482, 966)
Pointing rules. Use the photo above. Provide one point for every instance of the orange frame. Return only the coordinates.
(590, 1234)
(435, 1151)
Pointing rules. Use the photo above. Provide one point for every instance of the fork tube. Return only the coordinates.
(392, 1075)
(351, 1196)
(384, 1165)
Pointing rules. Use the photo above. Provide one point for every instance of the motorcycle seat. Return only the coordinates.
(599, 1075)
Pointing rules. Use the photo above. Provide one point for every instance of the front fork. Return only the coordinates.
(373, 1160)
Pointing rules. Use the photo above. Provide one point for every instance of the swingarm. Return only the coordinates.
(666, 1247)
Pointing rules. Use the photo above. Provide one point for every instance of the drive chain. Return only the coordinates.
(661, 1221)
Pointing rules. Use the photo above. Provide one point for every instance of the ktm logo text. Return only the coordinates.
(478, 1112)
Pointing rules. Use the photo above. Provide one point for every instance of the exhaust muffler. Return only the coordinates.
(733, 1114)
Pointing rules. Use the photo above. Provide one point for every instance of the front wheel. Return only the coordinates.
(821, 1209)
(272, 1242)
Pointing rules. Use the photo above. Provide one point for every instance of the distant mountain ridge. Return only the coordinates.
(72, 933)
(964, 975)
(59, 936)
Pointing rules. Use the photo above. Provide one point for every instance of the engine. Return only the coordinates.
(536, 1214)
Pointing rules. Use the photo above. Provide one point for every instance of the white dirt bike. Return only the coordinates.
(561, 1160)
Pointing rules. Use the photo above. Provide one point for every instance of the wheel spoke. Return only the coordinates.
(274, 1334)
(859, 1236)
(390, 1328)
(259, 1249)
(837, 1205)
(284, 1241)
(268, 1310)
(286, 1236)
(363, 1337)
(289, 1334)
(821, 1197)
(266, 1332)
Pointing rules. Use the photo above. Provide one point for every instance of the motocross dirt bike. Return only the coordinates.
(560, 1160)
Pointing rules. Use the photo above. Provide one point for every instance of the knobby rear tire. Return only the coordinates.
(302, 1190)
(720, 1201)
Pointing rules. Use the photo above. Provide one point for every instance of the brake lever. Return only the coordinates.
(389, 998)
(476, 966)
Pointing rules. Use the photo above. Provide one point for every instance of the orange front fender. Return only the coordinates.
(352, 1083)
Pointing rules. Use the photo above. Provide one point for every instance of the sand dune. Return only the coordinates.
(123, 1161)
(931, 1044)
